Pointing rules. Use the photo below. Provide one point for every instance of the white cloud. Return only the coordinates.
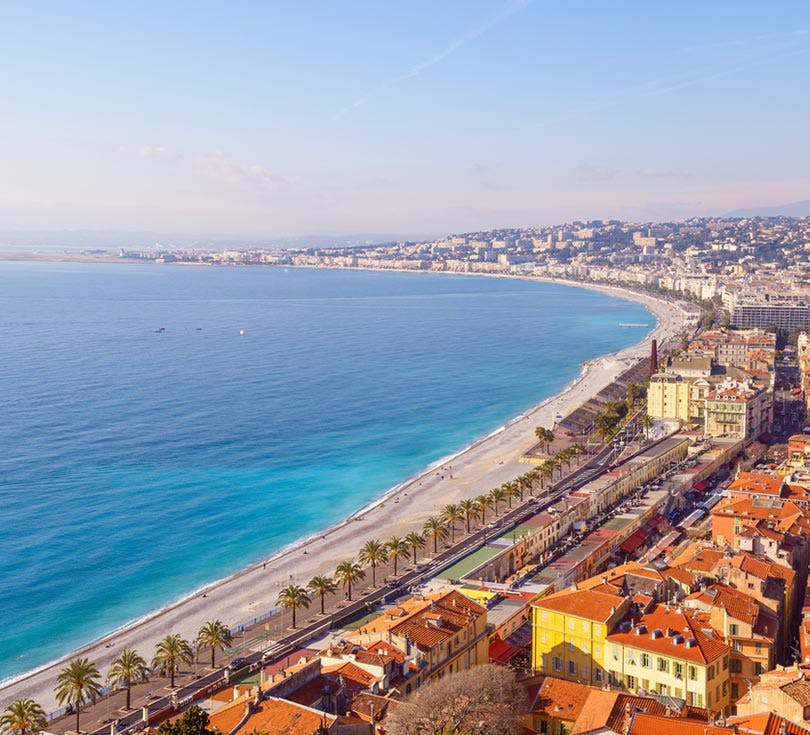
(653, 172)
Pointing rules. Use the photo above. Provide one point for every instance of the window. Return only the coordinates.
(614, 650)
(678, 693)
(758, 648)
(725, 688)
(585, 672)
(557, 663)
(597, 675)
(571, 624)
(663, 665)
(631, 682)
(725, 662)
(584, 626)
(710, 673)
(736, 666)
(692, 673)
(677, 669)
(544, 660)
(572, 668)
(736, 646)
(543, 637)
(733, 629)
(645, 685)
(759, 668)
(543, 616)
(735, 691)
(544, 726)
(597, 651)
(645, 660)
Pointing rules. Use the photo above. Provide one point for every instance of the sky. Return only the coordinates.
(290, 118)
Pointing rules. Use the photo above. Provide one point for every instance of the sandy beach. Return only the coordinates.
(485, 464)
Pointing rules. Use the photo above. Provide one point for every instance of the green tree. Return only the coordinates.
(436, 528)
(322, 585)
(349, 573)
(496, 495)
(467, 507)
(372, 554)
(128, 667)
(194, 721)
(21, 717)
(452, 513)
(169, 654)
(397, 549)
(292, 597)
(546, 473)
(416, 541)
(646, 423)
(215, 635)
(77, 683)
(482, 502)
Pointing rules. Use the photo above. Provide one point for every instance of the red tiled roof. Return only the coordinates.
(501, 652)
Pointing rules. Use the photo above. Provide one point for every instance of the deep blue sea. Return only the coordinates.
(137, 465)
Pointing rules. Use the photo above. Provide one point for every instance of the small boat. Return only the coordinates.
(162, 329)
(241, 331)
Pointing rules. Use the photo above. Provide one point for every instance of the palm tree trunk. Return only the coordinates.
(414, 553)
(395, 565)
(171, 675)
(213, 653)
(467, 516)
(373, 575)
(129, 691)
(322, 596)
(77, 717)
(293, 612)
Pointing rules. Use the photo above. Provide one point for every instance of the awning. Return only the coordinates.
(655, 521)
(501, 652)
(633, 542)
(701, 486)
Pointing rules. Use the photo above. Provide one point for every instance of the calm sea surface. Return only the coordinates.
(137, 464)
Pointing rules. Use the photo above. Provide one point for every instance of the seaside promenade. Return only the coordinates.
(486, 464)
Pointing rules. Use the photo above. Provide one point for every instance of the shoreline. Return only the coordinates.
(486, 462)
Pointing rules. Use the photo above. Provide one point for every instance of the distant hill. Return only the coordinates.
(794, 209)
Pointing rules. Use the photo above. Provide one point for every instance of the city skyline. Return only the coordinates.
(266, 121)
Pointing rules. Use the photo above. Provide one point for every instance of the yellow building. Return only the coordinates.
(665, 651)
(568, 633)
(668, 397)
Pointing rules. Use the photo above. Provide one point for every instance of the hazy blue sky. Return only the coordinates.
(313, 117)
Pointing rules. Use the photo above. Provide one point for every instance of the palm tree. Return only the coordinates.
(322, 586)
(23, 716)
(372, 554)
(496, 495)
(482, 502)
(347, 573)
(565, 455)
(397, 549)
(126, 667)
(436, 528)
(292, 597)
(78, 683)
(451, 513)
(546, 473)
(416, 541)
(169, 654)
(215, 634)
(467, 507)
(646, 424)
(544, 435)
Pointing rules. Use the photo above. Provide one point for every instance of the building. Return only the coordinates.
(738, 409)
(668, 397)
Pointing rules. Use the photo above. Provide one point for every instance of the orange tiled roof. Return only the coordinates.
(707, 648)
(756, 483)
(561, 699)
(281, 717)
(648, 724)
(588, 604)
(766, 723)
(444, 616)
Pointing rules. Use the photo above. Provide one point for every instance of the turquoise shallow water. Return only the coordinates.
(138, 465)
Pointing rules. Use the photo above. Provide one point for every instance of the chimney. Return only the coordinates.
(654, 357)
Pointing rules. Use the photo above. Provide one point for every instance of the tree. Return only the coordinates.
(169, 654)
(77, 683)
(646, 423)
(546, 473)
(397, 549)
(467, 507)
(216, 635)
(512, 490)
(292, 597)
(21, 717)
(372, 554)
(194, 721)
(436, 528)
(322, 585)
(349, 573)
(483, 700)
(127, 667)
(545, 436)
(496, 495)
(452, 513)
(416, 541)
(482, 502)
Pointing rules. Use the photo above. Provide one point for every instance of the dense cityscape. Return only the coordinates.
(647, 570)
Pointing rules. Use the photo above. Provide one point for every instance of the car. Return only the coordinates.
(238, 663)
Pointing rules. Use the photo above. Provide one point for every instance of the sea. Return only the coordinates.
(164, 426)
